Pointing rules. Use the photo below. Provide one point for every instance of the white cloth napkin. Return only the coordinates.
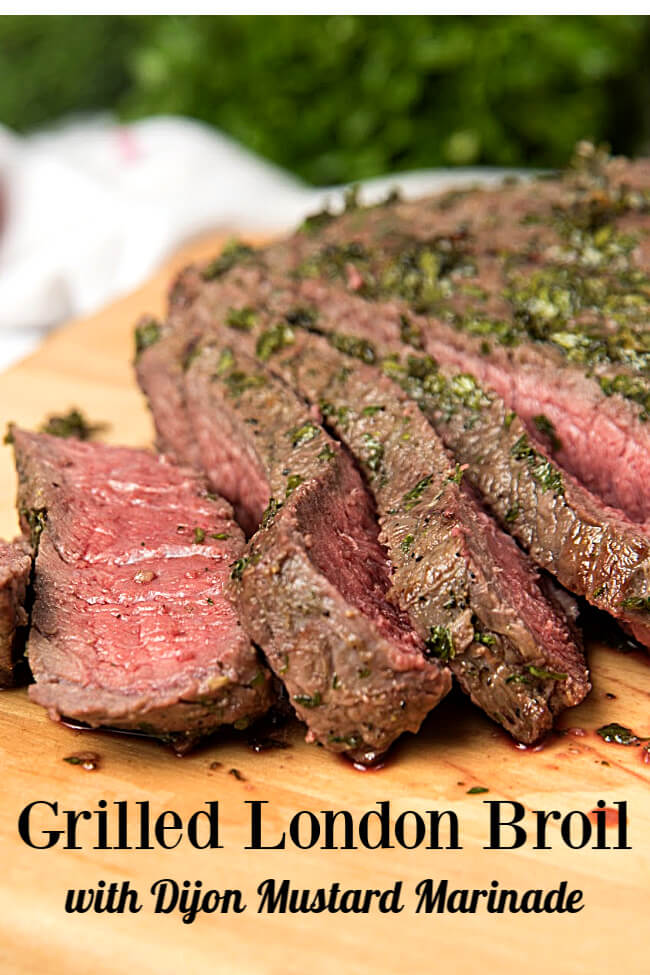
(90, 208)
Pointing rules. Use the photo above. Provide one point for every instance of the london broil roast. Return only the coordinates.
(393, 449)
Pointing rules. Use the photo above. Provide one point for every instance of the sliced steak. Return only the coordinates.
(540, 290)
(468, 590)
(312, 587)
(603, 554)
(15, 570)
(132, 624)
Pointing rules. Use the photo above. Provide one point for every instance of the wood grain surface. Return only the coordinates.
(87, 364)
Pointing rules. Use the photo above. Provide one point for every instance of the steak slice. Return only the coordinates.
(469, 592)
(132, 624)
(312, 587)
(15, 570)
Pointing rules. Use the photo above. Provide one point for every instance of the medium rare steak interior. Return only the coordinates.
(132, 624)
(312, 588)
(15, 569)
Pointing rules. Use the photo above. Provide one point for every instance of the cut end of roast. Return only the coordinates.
(132, 623)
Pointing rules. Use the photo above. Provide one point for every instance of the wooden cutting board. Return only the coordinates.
(87, 364)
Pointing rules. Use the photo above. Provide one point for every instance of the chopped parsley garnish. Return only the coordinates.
(238, 382)
(545, 473)
(273, 340)
(413, 497)
(618, 734)
(307, 700)
(243, 319)
(146, 334)
(238, 567)
(271, 511)
(303, 434)
(440, 643)
(71, 424)
(326, 453)
(232, 254)
(545, 674)
(317, 221)
(292, 483)
(487, 639)
(641, 603)
(353, 346)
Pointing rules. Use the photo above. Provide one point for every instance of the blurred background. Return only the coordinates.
(120, 137)
(335, 99)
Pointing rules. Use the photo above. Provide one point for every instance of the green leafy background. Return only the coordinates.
(343, 98)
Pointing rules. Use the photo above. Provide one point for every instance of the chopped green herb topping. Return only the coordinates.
(226, 362)
(440, 643)
(355, 347)
(409, 333)
(232, 254)
(518, 679)
(71, 424)
(457, 476)
(326, 453)
(302, 316)
(36, 519)
(545, 473)
(199, 536)
(414, 496)
(542, 674)
(641, 603)
(406, 543)
(477, 790)
(238, 382)
(238, 567)
(317, 221)
(292, 483)
(220, 536)
(146, 334)
(273, 340)
(243, 319)
(635, 389)
(271, 511)
(487, 639)
(303, 434)
(618, 734)
(307, 700)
